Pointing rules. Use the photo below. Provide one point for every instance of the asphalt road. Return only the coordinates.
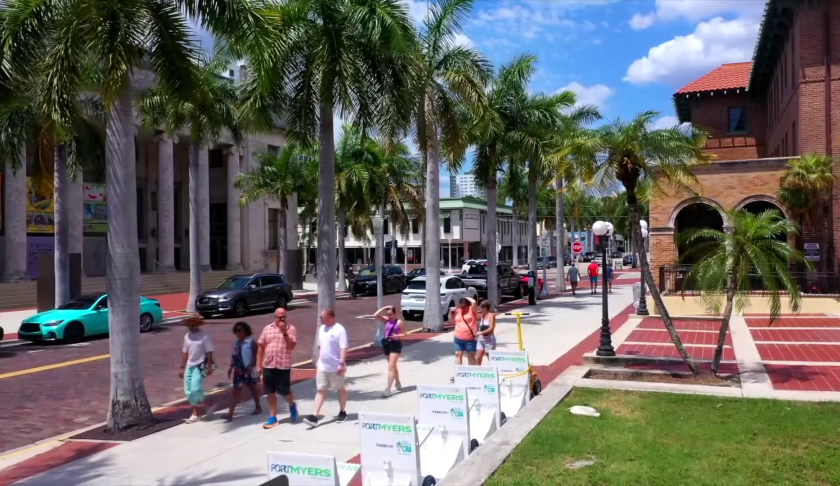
(47, 390)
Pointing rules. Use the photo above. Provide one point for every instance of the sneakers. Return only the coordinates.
(398, 386)
(311, 420)
(271, 423)
(193, 419)
(293, 412)
(342, 416)
(386, 393)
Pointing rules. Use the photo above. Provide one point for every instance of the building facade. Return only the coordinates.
(463, 185)
(760, 114)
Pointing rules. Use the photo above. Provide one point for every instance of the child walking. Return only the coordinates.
(197, 365)
(242, 368)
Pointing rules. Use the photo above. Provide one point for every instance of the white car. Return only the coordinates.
(452, 289)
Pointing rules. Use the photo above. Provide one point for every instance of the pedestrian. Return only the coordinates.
(391, 345)
(243, 368)
(573, 277)
(331, 367)
(593, 277)
(197, 365)
(486, 331)
(609, 276)
(274, 363)
(465, 316)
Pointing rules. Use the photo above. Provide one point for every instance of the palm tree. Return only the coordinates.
(400, 178)
(631, 152)
(514, 188)
(279, 177)
(447, 78)
(123, 37)
(205, 114)
(806, 189)
(345, 57)
(754, 252)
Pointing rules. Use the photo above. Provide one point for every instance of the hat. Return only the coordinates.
(194, 320)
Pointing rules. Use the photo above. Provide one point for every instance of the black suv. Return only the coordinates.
(509, 282)
(393, 280)
(240, 294)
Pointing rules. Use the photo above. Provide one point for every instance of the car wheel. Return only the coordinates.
(406, 315)
(240, 308)
(146, 322)
(282, 302)
(73, 333)
(536, 388)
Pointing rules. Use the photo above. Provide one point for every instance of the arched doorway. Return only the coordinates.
(690, 218)
(758, 207)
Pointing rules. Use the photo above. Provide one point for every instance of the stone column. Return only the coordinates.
(14, 222)
(204, 205)
(76, 212)
(234, 221)
(166, 203)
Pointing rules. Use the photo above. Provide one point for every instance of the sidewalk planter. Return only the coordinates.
(514, 370)
(308, 470)
(482, 384)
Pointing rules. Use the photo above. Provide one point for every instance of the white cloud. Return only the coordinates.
(664, 122)
(641, 22)
(463, 40)
(416, 9)
(597, 94)
(683, 58)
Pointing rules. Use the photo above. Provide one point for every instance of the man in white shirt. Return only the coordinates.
(332, 364)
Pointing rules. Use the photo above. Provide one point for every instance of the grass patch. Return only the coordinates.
(670, 439)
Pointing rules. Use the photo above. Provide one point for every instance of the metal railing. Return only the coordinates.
(675, 279)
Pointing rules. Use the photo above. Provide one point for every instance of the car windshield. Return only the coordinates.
(79, 304)
(418, 271)
(367, 271)
(416, 285)
(234, 283)
(478, 269)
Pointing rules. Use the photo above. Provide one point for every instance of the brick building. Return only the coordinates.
(784, 103)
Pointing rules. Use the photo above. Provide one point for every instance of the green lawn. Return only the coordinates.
(668, 439)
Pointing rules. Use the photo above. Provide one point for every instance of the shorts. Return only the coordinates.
(574, 283)
(328, 380)
(593, 280)
(240, 377)
(468, 346)
(389, 346)
(487, 343)
(194, 385)
(277, 381)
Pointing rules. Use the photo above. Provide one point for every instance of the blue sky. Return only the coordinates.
(624, 56)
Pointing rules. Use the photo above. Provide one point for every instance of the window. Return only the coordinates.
(273, 237)
(265, 281)
(217, 159)
(737, 119)
(447, 224)
(230, 72)
(415, 227)
(273, 149)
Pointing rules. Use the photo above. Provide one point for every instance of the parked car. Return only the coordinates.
(524, 282)
(472, 262)
(393, 280)
(628, 260)
(588, 256)
(552, 262)
(84, 316)
(239, 294)
(616, 254)
(508, 280)
(542, 262)
(418, 272)
(567, 259)
(452, 289)
(1, 333)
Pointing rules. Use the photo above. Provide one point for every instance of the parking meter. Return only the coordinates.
(532, 285)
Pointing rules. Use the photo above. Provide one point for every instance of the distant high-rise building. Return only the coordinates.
(463, 185)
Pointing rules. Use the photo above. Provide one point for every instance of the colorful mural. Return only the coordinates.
(39, 206)
(95, 208)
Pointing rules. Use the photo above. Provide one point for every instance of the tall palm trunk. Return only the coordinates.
(633, 207)
(195, 225)
(393, 251)
(490, 232)
(727, 315)
(61, 183)
(432, 316)
(574, 238)
(560, 283)
(283, 240)
(514, 234)
(532, 217)
(326, 208)
(552, 245)
(342, 252)
(14, 220)
(405, 253)
(129, 407)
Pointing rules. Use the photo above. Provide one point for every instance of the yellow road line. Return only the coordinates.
(54, 366)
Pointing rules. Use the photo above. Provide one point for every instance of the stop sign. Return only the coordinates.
(577, 247)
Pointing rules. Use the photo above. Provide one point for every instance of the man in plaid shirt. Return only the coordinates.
(274, 361)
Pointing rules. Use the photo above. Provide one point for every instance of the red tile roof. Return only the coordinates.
(728, 76)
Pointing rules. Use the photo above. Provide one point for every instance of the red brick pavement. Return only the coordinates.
(794, 322)
(669, 351)
(797, 335)
(688, 337)
(804, 378)
(781, 351)
(681, 324)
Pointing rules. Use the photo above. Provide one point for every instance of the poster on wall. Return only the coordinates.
(95, 208)
(36, 246)
(39, 206)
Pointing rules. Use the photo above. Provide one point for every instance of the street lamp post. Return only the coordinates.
(544, 291)
(378, 234)
(642, 309)
(604, 231)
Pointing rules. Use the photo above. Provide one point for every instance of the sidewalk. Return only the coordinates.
(216, 453)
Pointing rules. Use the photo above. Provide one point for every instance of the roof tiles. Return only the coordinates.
(728, 76)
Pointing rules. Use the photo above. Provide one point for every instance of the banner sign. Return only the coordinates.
(303, 469)
(40, 206)
(482, 384)
(389, 449)
(95, 208)
(446, 406)
(515, 379)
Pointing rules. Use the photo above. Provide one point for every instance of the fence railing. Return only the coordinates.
(675, 279)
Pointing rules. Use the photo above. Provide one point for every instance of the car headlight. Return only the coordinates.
(52, 323)
(224, 297)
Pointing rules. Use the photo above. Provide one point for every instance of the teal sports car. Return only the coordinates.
(84, 316)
